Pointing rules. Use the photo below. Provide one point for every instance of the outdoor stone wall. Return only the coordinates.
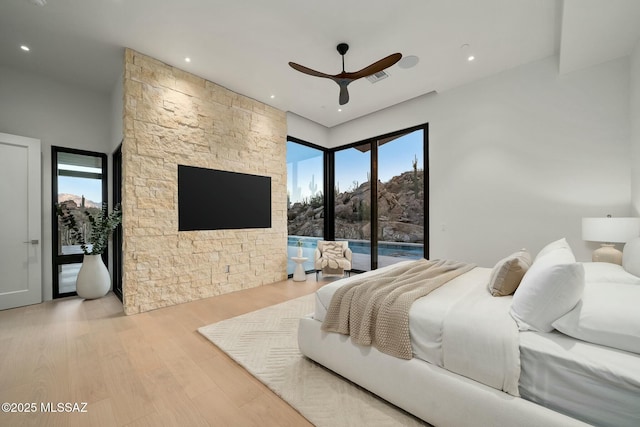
(173, 117)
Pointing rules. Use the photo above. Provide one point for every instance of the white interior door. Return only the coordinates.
(20, 213)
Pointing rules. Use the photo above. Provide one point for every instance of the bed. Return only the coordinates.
(577, 344)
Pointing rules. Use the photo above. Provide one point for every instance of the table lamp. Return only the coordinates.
(609, 231)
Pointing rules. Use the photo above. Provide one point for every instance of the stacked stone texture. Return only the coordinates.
(172, 117)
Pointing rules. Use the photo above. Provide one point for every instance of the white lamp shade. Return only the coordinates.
(611, 230)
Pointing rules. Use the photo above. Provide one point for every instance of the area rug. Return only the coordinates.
(265, 343)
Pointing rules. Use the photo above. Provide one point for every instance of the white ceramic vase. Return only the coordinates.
(93, 278)
(299, 251)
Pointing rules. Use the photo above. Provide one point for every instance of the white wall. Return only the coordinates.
(517, 159)
(635, 129)
(117, 108)
(307, 130)
(57, 114)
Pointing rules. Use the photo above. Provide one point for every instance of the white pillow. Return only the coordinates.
(561, 245)
(605, 272)
(548, 291)
(608, 315)
(631, 256)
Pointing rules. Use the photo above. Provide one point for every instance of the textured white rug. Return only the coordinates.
(265, 343)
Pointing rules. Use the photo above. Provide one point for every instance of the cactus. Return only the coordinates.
(416, 184)
(313, 187)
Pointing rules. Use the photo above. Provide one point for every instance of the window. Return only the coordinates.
(380, 198)
(79, 181)
(352, 208)
(305, 200)
(401, 201)
(375, 197)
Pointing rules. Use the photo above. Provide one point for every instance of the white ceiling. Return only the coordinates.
(245, 45)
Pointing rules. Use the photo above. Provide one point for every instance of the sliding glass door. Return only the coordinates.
(380, 198)
(373, 194)
(305, 200)
(401, 201)
(352, 210)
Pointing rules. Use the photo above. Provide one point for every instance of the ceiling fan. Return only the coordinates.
(343, 79)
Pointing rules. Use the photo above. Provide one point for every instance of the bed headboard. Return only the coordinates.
(631, 256)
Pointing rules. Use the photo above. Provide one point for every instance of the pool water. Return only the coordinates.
(400, 251)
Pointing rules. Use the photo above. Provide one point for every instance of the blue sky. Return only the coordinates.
(352, 165)
(91, 189)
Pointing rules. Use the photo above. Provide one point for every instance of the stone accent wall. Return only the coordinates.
(173, 117)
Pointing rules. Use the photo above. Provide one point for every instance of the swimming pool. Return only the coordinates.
(388, 252)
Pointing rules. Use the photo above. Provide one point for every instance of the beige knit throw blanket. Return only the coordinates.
(375, 310)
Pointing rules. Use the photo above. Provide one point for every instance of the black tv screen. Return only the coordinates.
(210, 199)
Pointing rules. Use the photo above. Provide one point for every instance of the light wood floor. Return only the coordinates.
(150, 369)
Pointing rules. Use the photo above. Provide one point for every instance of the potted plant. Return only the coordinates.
(93, 278)
(299, 243)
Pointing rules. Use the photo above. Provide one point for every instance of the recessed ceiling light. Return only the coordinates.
(339, 110)
(25, 48)
(187, 59)
(471, 58)
(272, 96)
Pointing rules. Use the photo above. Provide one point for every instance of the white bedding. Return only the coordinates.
(593, 383)
(480, 340)
(440, 333)
(426, 315)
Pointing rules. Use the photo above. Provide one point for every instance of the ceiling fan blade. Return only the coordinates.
(344, 93)
(309, 71)
(376, 66)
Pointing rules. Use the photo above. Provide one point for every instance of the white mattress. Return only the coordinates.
(597, 384)
(427, 313)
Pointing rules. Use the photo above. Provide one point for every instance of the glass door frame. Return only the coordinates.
(57, 259)
(327, 220)
(330, 187)
(116, 188)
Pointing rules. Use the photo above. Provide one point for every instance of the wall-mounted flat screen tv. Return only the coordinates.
(210, 199)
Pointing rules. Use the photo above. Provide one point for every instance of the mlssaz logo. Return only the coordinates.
(63, 407)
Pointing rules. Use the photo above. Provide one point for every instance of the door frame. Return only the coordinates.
(34, 212)
(56, 259)
(116, 188)
(373, 168)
